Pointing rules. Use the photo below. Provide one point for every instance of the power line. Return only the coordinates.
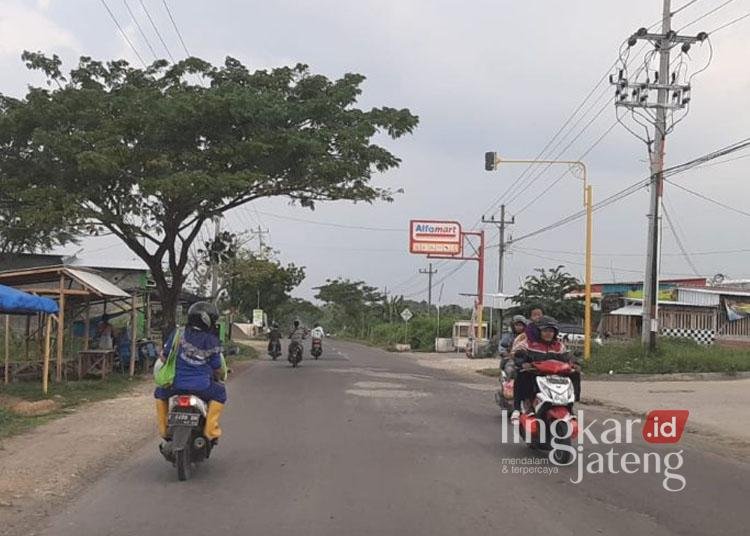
(581, 254)
(728, 24)
(676, 11)
(138, 25)
(158, 34)
(124, 35)
(677, 238)
(710, 200)
(565, 173)
(176, 29)
(337, 225)
(566, 261)
(711, 12)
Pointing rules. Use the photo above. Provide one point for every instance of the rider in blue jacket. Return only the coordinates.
(199, 368)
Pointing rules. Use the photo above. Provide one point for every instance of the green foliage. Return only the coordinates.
(420, 335)
(254, 281)
(351, 306)
(31, 220)
(303, 310)
(151, 154)
(548, 290)
(672, 356)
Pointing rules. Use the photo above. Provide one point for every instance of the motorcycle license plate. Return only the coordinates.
(184, 419)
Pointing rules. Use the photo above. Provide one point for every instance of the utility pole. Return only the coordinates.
(214, 259)
(429, 272)
(635, 96)
(260, 232)
(501, 223)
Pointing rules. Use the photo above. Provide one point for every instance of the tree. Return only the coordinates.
(548, 289)
(151, 154)
(254, 281)
(31, 220)
(351, 303)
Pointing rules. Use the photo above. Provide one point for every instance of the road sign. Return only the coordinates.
(258, 317)
(406, 315)
(435, 237)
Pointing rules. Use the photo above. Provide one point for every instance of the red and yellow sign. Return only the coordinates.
(435, 237)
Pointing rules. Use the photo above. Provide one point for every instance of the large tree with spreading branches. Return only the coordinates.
(151, 154)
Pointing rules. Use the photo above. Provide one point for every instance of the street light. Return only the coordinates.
(491, 161)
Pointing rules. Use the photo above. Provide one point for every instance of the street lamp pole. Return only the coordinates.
(491, 161)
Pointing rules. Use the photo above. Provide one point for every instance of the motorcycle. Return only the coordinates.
(504, 397)
(186, 420)
(317, 348)
(552, 406)
(274, 349)
(295, 353)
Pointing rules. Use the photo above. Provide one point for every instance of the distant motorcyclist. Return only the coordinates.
(507, 363)
(199, 368)
(274, 337)
(296, 337)
(317, 332)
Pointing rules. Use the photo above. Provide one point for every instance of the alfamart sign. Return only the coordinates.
(438, 237)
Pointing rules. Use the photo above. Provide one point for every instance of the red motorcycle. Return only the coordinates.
(551, 414)
(317, 348)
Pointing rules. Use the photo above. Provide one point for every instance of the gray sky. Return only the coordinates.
(482, 75)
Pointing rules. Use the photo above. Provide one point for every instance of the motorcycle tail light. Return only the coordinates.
(574, 428)
(183, 401)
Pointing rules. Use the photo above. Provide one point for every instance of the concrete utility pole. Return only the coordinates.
(214, 260)
(429, 272)
(501, 223)
(634, 95)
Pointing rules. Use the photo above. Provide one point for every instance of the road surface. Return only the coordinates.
(363, 442)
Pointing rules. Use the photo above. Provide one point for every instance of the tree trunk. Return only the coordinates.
(170, 300)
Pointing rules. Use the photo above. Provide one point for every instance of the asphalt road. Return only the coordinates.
(364, 442)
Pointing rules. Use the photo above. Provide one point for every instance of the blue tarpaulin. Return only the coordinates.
(14, 301)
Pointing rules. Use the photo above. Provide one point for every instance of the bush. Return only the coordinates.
(421, 333)
(671, 356)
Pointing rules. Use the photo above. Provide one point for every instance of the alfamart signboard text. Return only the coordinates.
(435, 237)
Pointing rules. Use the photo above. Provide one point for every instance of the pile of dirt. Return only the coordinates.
(27, 408)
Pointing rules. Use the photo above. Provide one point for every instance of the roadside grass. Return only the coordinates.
(671, 356)
(67, 395)
(244, 352)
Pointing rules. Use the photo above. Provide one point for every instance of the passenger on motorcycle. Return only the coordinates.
(527, 352)
(199, 368)
(518, 327)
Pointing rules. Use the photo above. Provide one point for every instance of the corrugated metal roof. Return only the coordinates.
(719, 291)
(97, 283)
(698, 297)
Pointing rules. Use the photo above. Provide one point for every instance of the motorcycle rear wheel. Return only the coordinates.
(182, 461)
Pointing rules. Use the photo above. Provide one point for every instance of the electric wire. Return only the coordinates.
(176, 29)
(122, 32)
(140, 29)
(158, 33)
(708, 13)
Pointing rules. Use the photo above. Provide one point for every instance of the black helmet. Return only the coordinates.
(547, 322)
(202, 315)
(296, 323)
(275, 325)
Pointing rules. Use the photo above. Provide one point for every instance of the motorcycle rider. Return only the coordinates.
(547, 347)
(199, 369)
(274, 337)
(296, 336)
(317, 332)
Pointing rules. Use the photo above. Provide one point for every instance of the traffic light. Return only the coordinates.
(489, 161)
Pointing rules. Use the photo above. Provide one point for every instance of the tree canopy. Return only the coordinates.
(549, 289)
(151, 154)
(257, 281)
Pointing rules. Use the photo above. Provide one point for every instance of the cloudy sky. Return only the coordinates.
(482, 75)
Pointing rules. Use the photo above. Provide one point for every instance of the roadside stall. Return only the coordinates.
(80, 294)
(16, 302)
